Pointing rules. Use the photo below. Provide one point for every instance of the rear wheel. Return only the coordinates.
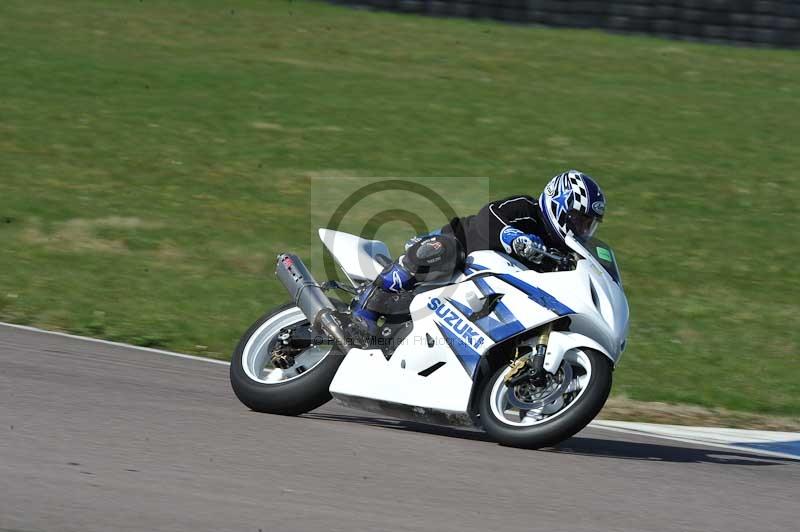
(299, 388)
(532, 417)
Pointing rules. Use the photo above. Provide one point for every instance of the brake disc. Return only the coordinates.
(544, 395)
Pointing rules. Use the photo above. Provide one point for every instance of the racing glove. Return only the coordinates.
(528, 246)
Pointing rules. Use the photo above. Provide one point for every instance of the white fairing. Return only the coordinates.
(433, 369)
(367, 374)
(354, 254)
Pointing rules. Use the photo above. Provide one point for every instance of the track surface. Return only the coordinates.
(102, 438)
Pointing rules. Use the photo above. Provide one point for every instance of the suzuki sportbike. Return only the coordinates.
(525, 355)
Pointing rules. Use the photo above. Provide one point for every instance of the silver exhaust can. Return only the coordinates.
(307, 294)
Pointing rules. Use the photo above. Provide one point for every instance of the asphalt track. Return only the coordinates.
(105, 438)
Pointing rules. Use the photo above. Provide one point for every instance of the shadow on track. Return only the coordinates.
(577, 445)
(654, 452)
(400, 424)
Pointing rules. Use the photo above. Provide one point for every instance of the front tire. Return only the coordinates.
(541, 428)
(293, 391)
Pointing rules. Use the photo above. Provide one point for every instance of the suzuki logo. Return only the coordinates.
(456, 323)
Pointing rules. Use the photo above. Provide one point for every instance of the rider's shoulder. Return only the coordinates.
(520, 199)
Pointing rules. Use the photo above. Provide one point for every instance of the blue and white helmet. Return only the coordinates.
(572, 203)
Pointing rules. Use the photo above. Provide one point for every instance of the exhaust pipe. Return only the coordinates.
(307, 294)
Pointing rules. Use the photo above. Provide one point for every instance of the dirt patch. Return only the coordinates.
(72, 237)
(169, 252)
(78, 234)
(277, 127)
(559, 142)
(266, 125)
(246, 261)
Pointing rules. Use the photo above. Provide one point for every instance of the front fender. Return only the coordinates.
(562, 341)
(559, 344)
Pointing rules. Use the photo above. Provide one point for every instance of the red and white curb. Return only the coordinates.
(769, 443)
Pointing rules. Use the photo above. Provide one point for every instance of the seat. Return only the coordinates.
(359, 258)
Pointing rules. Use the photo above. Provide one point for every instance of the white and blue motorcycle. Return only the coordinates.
(527, 356)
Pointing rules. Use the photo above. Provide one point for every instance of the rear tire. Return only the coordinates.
(302, 393)
(558, 427)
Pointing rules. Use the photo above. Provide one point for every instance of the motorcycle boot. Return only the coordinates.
(382, 306)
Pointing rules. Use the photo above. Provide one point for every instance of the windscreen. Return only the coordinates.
(604, 255)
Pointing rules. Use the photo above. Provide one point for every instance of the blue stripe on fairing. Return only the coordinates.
(503, 313)
(468, 357)
(470, 267)
(786, 447)
(534, 293)
(507, 326)
(538, 295)
(462, 308)
(483, 286)
(496, 330)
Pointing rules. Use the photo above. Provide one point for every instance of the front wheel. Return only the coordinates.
(291, 391)
(532, 417)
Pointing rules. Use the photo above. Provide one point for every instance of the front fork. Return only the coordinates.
(529, 361)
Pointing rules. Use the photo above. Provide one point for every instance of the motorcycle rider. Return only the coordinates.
(571, 203)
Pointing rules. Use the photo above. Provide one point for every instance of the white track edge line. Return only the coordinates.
(115, 344)
(740, 449)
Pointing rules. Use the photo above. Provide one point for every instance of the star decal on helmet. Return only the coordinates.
(562, 202)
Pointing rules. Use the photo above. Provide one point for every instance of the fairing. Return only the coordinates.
(433, 368)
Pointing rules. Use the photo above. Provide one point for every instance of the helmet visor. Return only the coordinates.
(582, 225)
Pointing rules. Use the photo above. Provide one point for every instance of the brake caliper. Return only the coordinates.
(281, 354)
(516, 366)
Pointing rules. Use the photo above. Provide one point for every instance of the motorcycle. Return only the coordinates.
(525, 355)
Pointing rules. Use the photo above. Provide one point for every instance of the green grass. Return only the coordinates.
(155, 155)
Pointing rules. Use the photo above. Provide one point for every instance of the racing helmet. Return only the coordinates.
(572, 203)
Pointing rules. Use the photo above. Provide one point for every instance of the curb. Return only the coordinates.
(114, 344)
(769, 443)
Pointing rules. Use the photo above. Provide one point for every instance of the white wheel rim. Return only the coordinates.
(256, 358)
(505, 413)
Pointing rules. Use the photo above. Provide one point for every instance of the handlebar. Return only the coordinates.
(554, 255)
(564, 261)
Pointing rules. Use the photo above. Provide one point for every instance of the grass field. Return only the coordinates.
(155, 155)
